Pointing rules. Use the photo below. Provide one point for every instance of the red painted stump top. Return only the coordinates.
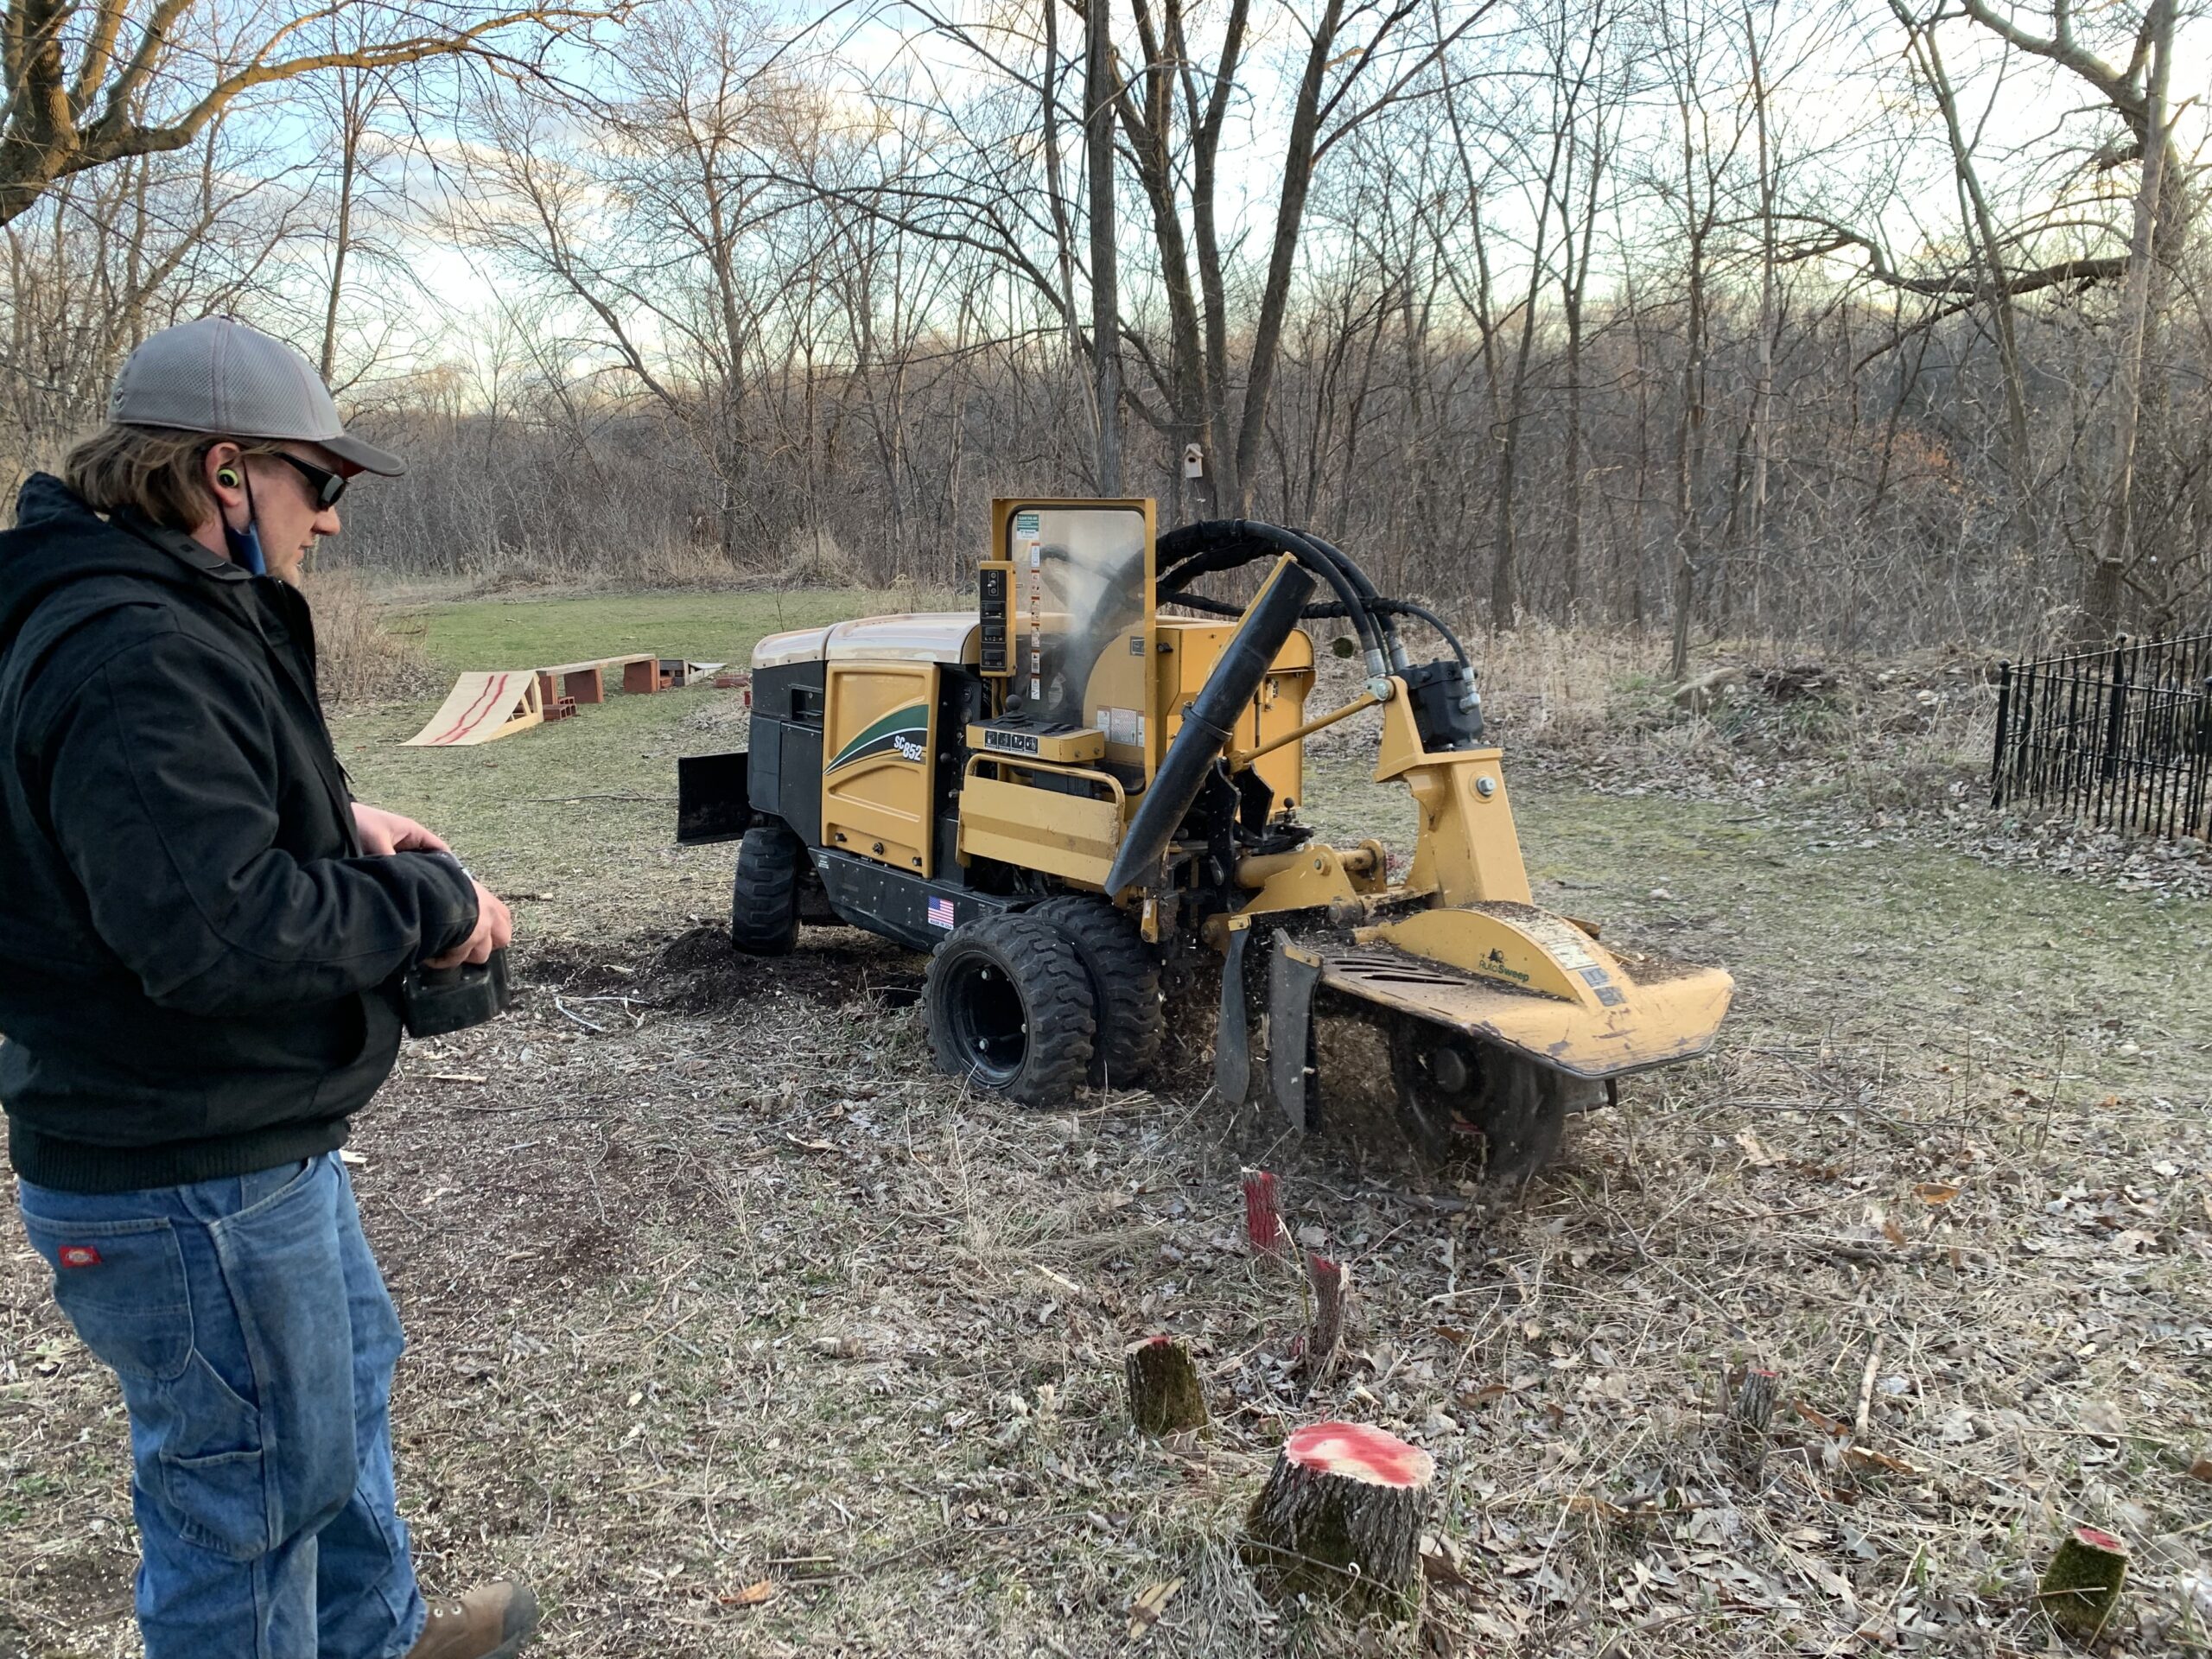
(2104, 1541)
(1359, 1453)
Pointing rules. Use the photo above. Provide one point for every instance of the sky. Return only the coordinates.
(1833, 107)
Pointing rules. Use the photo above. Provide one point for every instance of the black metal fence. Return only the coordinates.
(2121, 737)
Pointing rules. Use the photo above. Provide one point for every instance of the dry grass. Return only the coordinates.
(362, 655)
(711, 1283)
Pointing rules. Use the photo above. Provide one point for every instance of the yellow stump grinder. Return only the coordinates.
(1065, 790)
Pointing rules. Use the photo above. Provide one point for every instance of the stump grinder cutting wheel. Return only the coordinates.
(1100, 768)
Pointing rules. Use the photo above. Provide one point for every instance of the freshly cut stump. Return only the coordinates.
(2081, 1586)
(1164, 1397)
(1341, 1515)
(1263, 1228)
(1332, 1298)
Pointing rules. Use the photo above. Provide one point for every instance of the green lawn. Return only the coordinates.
(485, 633)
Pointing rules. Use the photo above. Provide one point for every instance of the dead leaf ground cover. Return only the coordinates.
(712, 1285)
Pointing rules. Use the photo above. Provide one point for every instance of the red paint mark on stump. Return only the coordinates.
(1361, 1453)
(2103, 1540)
(1262, 1218)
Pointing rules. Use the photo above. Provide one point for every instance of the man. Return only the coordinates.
(200, 933)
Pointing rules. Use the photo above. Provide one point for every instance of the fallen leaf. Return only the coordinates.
(1754, 1150)
(1585, 1504)
(1891, 1231)
(1861, 1457)
(2201, 1470)
(1826, 1425)
(1443, 1561)
(752, 1596)
(1935, 1192)
(1145, 1610)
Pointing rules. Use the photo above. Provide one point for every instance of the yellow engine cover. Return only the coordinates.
(880, 736)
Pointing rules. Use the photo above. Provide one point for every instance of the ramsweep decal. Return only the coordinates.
(904, 732)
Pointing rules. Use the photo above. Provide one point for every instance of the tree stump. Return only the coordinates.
(1263, 1228)
(1165, 1396)
(1331, 1297)
(2081, 1586)
(1754, 1407)
(1341, 1514)
(1750, 1416)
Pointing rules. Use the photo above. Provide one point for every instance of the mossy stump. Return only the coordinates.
(2081, 1586)
(1165, 1395)
(1341, 1515)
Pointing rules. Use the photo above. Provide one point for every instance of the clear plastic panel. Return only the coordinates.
(1081, 620)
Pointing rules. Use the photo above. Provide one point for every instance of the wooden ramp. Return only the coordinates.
(482, 707)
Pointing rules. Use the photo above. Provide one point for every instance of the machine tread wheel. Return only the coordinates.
(1009, 1006)
(1125, 981)
(763, 895)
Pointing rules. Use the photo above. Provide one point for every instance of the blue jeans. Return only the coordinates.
(255, 1342)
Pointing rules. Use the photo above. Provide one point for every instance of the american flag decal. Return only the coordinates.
(941, 913)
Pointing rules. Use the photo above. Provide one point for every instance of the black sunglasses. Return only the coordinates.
(326, 486)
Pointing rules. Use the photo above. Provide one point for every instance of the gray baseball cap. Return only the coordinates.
(217, 375)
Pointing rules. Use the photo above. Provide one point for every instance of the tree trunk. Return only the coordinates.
(1105, 271)
(2101, 592)
(1689, 438)
(1990, 260)
(1290, 215)
(1763, 389)
(350, 121)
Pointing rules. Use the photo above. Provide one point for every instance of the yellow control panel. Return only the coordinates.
(1016, 738)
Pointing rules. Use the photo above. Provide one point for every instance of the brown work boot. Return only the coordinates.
(492, 1621)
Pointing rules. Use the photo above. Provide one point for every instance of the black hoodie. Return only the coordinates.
(195, 955)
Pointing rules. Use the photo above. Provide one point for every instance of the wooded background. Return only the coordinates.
(1872, 324)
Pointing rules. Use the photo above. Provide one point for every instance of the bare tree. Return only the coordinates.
(146, 77)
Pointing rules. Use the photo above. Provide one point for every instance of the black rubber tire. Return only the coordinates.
(1008, 1007)
(1124, 985)
(764, 896)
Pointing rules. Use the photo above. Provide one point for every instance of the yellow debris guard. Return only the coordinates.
(1476, 957)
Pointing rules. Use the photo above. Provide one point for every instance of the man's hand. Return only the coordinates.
(385, 832)
(495, 931)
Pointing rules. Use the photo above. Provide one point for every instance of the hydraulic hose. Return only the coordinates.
(1192, 550)
(1328, 611)
(1208, 722)
(1399, 661)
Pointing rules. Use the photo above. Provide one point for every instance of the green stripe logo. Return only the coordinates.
(904, 731)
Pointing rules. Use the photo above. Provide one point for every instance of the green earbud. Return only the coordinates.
(227, 476)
